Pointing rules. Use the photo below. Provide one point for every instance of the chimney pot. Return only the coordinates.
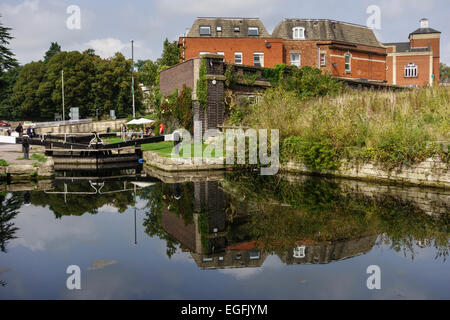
(424, 23)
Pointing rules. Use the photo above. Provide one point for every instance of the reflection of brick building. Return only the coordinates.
(415, 63)
(342, 49)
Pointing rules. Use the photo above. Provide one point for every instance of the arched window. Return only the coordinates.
(411, 70)
(348, 62)
(298, 33)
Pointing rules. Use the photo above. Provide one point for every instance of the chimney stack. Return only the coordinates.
(424, 23)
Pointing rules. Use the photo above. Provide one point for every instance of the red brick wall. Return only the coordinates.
(436, 46)
(248, 46)
(371, 70)
(177, 76)
(423, 64)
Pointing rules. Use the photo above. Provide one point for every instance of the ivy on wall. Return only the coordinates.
(202, 86)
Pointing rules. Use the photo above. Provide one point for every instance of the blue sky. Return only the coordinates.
(108, 26)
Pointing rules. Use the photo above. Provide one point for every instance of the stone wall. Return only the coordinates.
(88, 127)
(182, 164)
(431, 172)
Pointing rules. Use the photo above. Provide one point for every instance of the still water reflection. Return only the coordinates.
(234, 237)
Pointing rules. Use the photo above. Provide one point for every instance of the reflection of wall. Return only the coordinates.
(326, 253)
(230, 259)
(175, 226)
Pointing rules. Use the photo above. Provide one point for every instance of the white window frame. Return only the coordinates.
(204, 27)
(261, 58)
(241, 57)
(349, 55)
(298, 62)
(298, 33)
(218, 29)
(237, 29)
(411, 70)
(253, 28)
(220, 53)
(299, 252)
(323, 62)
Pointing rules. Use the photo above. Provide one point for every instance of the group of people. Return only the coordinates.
(19, 129)
(146, 132)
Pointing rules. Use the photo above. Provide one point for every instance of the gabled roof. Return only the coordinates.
(228, 27)
(327, 30)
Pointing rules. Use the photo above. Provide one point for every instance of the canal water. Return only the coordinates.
(229, 237)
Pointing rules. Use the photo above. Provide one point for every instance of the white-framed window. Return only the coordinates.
(258, 59)
(237, 29)
(298, 33)
(322, 59)
(219, 29)
(238, 58)
(300, 252)
(255, 255)
(204, 52)
(253, 31)
(296, 59)
(411, 70)
(348, 62)
(205, 30)
(220, 53)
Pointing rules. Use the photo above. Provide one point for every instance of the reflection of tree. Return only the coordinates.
(158, 197)
(316, 210)
(79, 204)
(8, 211)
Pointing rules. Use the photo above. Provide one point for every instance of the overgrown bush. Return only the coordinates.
(392, 128)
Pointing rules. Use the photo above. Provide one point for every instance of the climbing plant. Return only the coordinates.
(202, 86)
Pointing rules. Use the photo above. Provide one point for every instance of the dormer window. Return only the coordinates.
(237, 29)
(253, 31)
(298, 33)
(411, 70)
(205, 30)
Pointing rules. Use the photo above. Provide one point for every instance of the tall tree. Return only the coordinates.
(444, 71)
(24, 98)
(7, 59)
(54, 49)
(171, 54)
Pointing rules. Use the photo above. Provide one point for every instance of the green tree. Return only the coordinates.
(24, 99)
(7, 81)
(7, 59)
(79, 76)
(147, 73)
(444, 71)
(171, 54)
(54, 49)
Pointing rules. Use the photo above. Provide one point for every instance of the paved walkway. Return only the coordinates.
(10, 153)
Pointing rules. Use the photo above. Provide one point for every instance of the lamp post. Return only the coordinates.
(62, 87)
(132, 78)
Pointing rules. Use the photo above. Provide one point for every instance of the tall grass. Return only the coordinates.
(392, 128)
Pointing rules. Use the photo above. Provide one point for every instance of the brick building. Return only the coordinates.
(415, 63)
(241, 40)
(342, 49)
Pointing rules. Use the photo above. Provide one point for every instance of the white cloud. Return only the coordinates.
(40, 231)
(241, 273)
(107, 47)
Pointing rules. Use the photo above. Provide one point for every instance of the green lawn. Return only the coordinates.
(164, 148)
